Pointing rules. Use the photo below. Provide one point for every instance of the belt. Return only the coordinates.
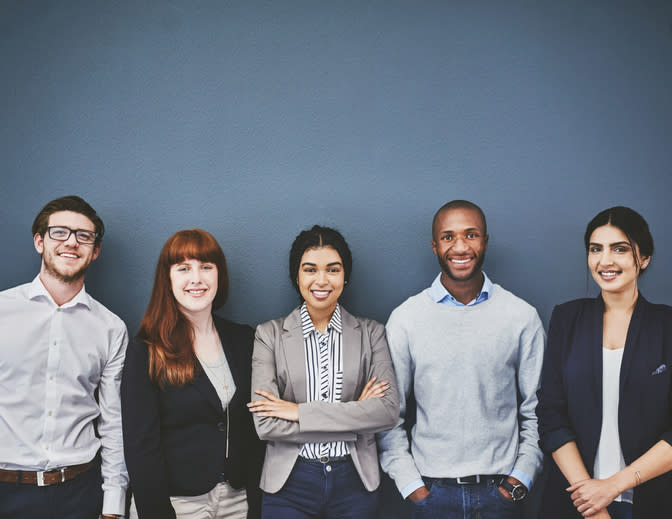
(326, 459)
(470, 480)
(42, 478)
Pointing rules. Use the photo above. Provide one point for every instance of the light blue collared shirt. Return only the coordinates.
(440, 295)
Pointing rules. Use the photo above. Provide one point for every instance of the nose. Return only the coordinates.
(606, 257)
(459, 244)
(321, 277)
(195, 276)
(72, 240)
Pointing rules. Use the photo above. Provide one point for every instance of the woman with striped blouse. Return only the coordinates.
(322, 386)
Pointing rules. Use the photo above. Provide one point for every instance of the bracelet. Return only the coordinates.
(639, 478)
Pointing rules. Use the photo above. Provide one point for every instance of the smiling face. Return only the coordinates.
(459, 243)
(66, 261)
(194, 285)
(614, 264)
(321, 279)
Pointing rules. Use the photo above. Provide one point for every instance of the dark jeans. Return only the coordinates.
(618, 510)
(448, 500)
(79, 498)
(321, 491)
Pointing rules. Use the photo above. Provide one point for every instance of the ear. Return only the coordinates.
(96, 252)
(38, 241)
(485, 241)
(644, 262)
(434, 247)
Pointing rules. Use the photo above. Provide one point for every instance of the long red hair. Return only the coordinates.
(168, 333)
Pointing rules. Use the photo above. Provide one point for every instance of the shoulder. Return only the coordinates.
(107, 317)
(224, 326)
(415, 303)
(512, 306)
(574, 307)
(275, 327)
(16, 292)
(658, 311)
(366, 324)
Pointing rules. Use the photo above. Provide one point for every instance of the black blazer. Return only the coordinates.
(175, 438)
(570, 397)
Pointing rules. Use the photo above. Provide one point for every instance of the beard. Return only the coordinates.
(51, 269)
(476, 270)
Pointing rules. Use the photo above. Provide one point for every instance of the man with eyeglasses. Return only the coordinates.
(61, 357)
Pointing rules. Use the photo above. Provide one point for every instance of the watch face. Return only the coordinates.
(518, 492)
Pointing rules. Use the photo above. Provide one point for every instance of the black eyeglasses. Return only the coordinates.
(82, 236)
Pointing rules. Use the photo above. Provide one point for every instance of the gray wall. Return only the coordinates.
(255, 119)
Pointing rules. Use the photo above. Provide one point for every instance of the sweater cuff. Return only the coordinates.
(522, 477)
(407, 490)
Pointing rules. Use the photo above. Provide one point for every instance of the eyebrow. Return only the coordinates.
(307, 263)
(611, 244)
(468, 229)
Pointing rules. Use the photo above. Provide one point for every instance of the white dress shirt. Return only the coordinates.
(52, 359)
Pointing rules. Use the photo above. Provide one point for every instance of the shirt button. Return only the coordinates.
(58, 309)
(49, 413)
(221, 426)
(328, 468)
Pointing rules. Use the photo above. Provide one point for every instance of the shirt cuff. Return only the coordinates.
(411, 487)
(114, 501)
(522, 477)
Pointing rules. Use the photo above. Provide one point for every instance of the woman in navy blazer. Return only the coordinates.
(190, 445)
(605, 402)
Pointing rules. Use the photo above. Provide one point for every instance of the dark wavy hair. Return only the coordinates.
(631, 223)
(168, 333)
(314, 238)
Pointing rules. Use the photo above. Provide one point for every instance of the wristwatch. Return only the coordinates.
(518, 492)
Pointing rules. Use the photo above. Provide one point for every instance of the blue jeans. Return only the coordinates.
(79, 498)
(321, 491)
(448, 500)
(620, 510)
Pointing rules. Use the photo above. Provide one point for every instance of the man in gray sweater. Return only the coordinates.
(471, 352)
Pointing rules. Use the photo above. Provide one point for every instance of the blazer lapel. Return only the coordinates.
(231, 358)
(352, 355)
(203, 385)
(595, 345)
(293, 350)
(631, 342)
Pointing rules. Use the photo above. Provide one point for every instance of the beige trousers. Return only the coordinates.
(222, 502)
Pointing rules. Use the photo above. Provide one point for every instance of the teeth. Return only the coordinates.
(68, 255)
(460, 262)
(321, 293)
(608, 274)
(197, 291)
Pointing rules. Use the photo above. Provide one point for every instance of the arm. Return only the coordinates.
(142, 437)
(395, 452)
(592, 495)
(530, 458)
(113, 468)
(321, 421)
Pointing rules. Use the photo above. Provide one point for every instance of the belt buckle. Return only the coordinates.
(324, 460)
(469, 480)
(40, 476)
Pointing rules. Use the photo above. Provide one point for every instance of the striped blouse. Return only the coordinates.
(324, 374)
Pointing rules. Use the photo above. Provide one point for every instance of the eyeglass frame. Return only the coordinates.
(71, 232)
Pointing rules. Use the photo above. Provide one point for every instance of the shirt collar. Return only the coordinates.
(37, 290)
(307, 323)
(439, 294)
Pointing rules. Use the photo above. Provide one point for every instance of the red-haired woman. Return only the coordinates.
(190, 446)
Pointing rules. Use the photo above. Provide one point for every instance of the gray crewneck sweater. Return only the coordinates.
(475, 373)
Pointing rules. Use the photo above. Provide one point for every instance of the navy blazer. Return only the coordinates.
(570, 396)
(175, 437)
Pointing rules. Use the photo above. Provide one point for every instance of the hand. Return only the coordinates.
(110, 516)
(418, 494)
(374, 390)
(592, 495)
(274, 407)
(505, 492)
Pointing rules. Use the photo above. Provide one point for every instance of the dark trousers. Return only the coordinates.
(79, 498)
(321, 491)
(619, 510)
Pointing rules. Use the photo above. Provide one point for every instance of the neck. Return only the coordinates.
(60, 291)
(463, 291)
(620, 302)
(201, 321)
(320, 318)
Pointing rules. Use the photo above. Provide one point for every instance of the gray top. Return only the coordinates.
(469, 366)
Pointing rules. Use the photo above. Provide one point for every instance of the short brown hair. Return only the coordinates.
(68, 203)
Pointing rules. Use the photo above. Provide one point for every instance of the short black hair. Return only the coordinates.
(314, 238)
(460, 204)
(68, 203)
(631, 223)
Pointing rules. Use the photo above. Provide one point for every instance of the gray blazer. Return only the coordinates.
(279, 366)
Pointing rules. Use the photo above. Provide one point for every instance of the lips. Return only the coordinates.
(320, 294)
(460, 262)
(68, 255)
(608, 275)
(196, 292)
